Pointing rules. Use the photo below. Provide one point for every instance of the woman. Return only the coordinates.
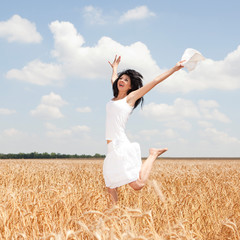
(122, 164)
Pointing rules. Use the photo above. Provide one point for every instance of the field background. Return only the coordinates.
(66, 199)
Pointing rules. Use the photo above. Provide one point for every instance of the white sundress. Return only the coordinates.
(123, 160)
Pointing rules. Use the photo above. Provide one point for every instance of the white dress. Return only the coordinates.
(123, 160)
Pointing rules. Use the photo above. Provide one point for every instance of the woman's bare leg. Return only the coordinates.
(113, 194)
(147, 165)
(154, 153)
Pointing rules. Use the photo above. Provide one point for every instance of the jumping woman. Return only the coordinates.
(123, 164)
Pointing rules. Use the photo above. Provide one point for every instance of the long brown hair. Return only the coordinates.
(136, 83)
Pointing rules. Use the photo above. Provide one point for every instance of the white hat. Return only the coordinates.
(191, 57)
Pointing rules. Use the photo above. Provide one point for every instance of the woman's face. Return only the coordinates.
(124, 83)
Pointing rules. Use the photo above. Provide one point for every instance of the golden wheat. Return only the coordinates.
(66, 199)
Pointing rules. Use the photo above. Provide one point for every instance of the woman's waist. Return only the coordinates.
(121, 138)
(119, 135)
(116, 144)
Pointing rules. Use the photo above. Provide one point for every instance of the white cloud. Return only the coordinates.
(5, 111)
(147, 134)
(219, 136)
(49, 107)
(67, 40)
(175, 115)
(178, 123)
(50, 126)
(39, 73)
(93, 15)
(55, 132)
(76, 59)
(45, 111)
(150, 132)
(137, 13)
(59, 133)
(210, 111)
(170, 133)
(204, 124)
(209, 74)
(80, 128)
(18, 29)
(84, 109)
(12, 132)
(53, 100)
(91, 62)
(163, 112)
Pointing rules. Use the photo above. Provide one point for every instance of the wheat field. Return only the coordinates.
(66, 199)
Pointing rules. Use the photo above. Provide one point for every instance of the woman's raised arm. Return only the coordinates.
(114, 66)
(135, 95)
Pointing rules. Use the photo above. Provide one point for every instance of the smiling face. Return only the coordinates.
(124, 83)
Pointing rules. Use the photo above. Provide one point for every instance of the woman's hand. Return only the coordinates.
(115, 63)
(179, 65)
(114, 66)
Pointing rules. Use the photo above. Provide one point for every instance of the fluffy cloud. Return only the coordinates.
(54, 132)
(205, 124)
(18, 29)
(170, 133)
(149, 134)
(137, 13)
(39, 73)
(219, 136)
(209, 111)
(180, 109)
(175, 115)
(49, 108)
(93, 15)
(76, 59)
(12, 132)
(80, 128)
(53, 100)
(178, 123)
(91, 62)
(209, 74)
(84, 109)
(5, 111)
(45, 111)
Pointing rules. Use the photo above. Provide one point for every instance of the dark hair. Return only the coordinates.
(136, 83)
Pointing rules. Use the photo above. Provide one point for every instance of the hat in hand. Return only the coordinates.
(191, 57)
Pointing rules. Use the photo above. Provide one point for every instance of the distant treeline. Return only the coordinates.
(36, 155)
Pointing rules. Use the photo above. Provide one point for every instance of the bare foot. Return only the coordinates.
(157, 152)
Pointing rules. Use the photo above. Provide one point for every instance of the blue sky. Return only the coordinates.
(55, 77)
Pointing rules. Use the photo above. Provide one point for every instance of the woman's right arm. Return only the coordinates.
(114, 66)
(135, 95)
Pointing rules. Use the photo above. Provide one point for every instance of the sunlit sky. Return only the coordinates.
(55, 76)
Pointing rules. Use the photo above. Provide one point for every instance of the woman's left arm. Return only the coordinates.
(135, 95)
